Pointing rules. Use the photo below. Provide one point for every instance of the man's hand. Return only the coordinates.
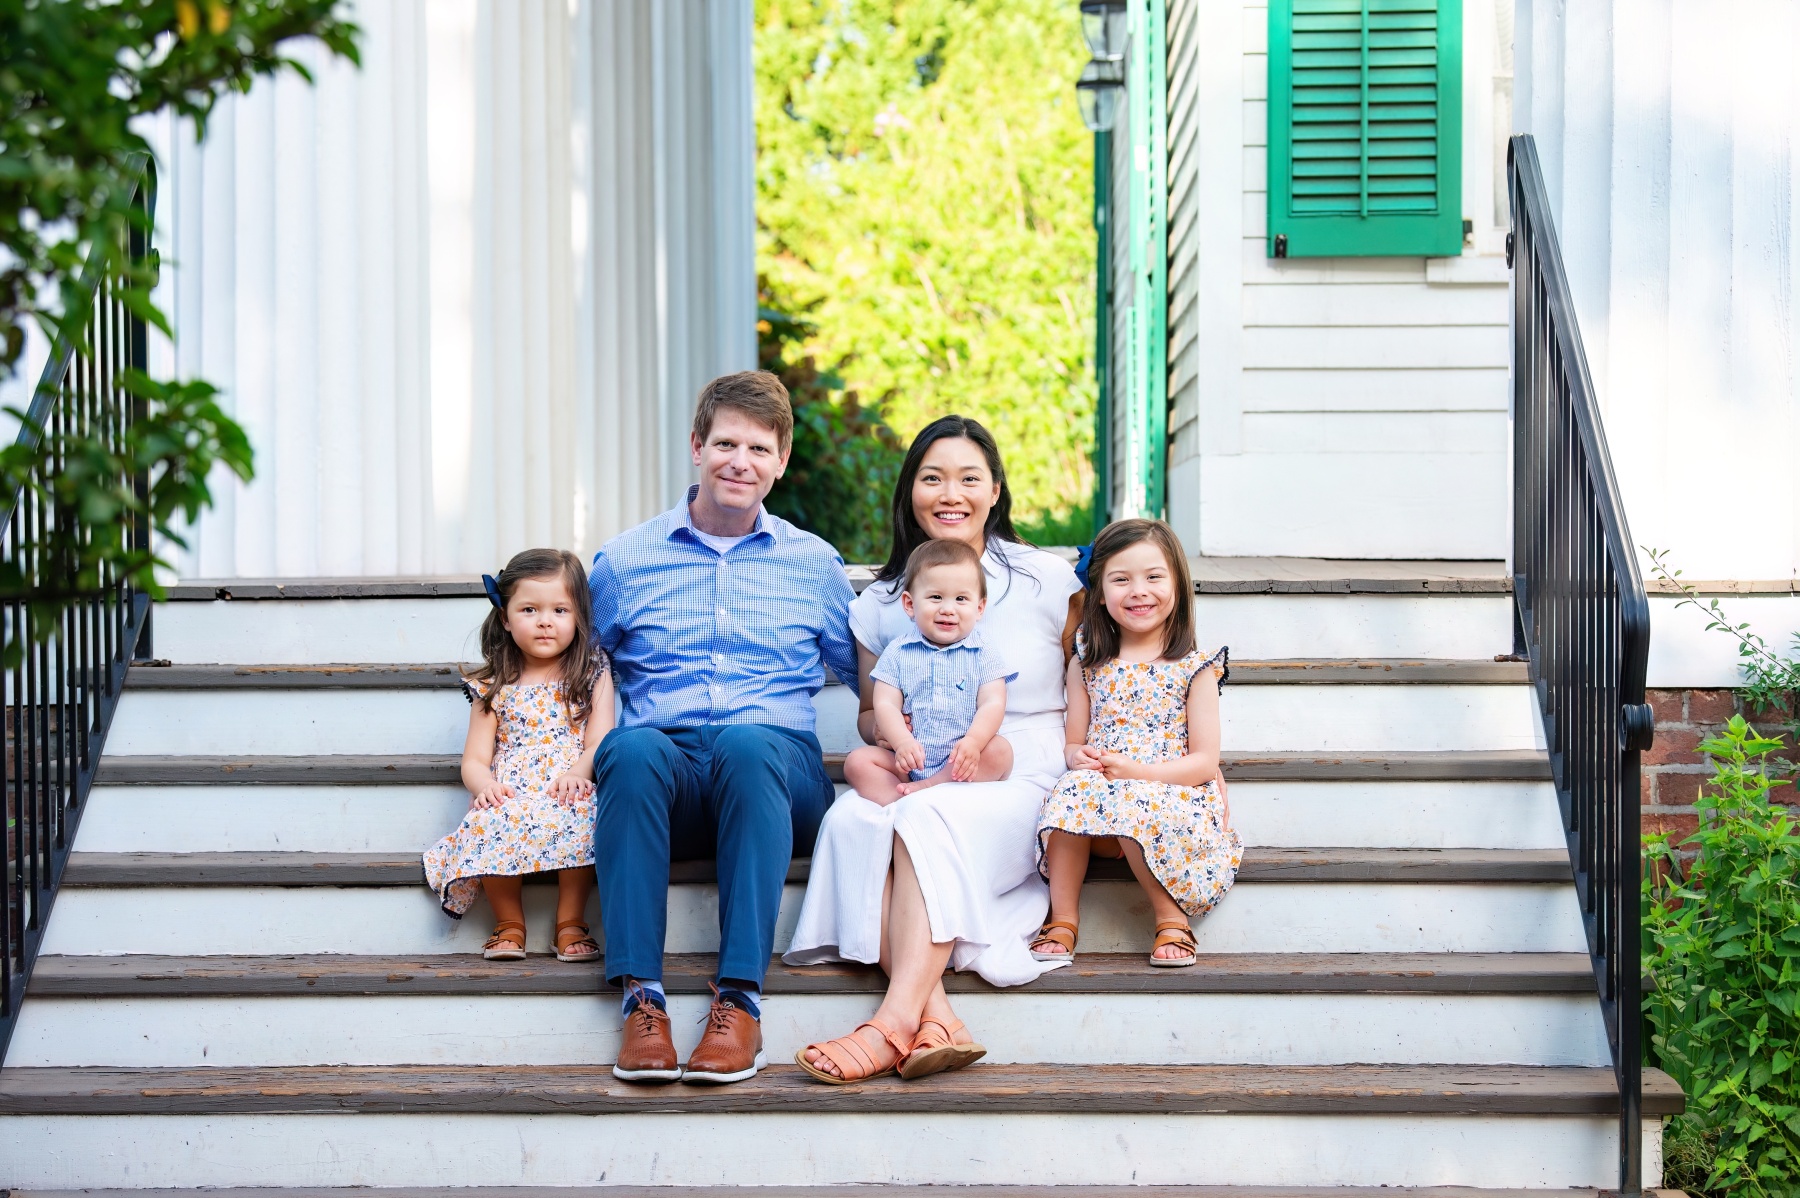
(965, 756)
(491, 795)
(570, 787)
(910, 756)
(1081, 757)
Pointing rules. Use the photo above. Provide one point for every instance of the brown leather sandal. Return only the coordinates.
(1056, 931)
(1178, 933)
(934, 1050)
(504, 935)
(852, 1057)
(566, 944)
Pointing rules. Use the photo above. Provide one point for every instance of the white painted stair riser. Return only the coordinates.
(407, 819)
(1261, 627)
(1025, 1026)
(1115, 917)
(1278, 718)
(1497, 1151)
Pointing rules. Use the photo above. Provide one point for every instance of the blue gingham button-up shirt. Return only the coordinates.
(698, 637)
(938, 685)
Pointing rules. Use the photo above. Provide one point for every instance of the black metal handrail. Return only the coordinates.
(1584, 618)
(60, 697)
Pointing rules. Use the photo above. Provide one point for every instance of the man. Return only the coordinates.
(720, 619)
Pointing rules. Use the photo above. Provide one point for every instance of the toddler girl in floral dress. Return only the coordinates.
(1143, 749)
(540, 704)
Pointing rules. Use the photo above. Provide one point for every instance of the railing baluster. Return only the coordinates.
(59, 690)
(1585, 619)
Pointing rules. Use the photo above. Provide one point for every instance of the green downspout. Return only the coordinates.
(1156, 374)
(1103, 447)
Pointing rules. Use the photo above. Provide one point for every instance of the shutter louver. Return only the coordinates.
(1365, 112)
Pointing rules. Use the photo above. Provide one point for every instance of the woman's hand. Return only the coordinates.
(1081, 757)
(491, 795)
(570, 787)
(881, 741)
(1119, 768)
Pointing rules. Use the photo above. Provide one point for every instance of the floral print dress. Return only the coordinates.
(1140, 709)
(536, 740)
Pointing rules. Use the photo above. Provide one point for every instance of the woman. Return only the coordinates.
(946, 875)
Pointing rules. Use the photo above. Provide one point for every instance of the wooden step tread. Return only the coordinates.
(876, 1190)
(689, 973)
(387, 869)
(448, 676)
(592, 1090)
(424, 769)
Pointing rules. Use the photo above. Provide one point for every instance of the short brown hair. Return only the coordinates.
(757, 394)
(933, 554)
(1099, 633)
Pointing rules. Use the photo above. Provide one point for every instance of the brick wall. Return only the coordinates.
(1674, 768)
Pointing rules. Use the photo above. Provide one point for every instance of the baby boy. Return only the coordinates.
(943, 678)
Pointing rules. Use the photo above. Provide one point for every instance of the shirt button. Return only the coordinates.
(723, 612)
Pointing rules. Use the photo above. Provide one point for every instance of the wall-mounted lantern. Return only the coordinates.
(1103, 24)
(1097, 93)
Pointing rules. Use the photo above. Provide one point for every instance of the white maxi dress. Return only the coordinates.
(973, 844)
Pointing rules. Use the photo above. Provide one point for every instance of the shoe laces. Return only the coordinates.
(718, 1017)
(646, 1004)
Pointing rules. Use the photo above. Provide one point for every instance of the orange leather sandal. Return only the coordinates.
(509, 934)
(1178, 933)
(1057, 931)
(934, 1050)
(566, 944)
(851, 1056)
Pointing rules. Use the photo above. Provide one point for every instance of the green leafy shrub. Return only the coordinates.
(1722, 945)
(845, 460)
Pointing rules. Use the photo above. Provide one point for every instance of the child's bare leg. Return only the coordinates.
(996, 761)
(1066, 860)
(573, 886)
(507, 897)
(871, 773)
(1162, 907)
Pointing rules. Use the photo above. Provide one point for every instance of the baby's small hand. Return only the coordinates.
(491, 795)
(910, 755)
(964, 757)
(570, 788)
(1081, 757)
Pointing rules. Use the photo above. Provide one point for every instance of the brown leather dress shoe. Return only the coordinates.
(646, 1050)
(731, 1048)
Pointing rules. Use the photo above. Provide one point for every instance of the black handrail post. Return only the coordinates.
(64, 686)
(1583, 618)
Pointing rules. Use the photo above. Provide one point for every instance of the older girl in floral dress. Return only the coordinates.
(1143, 749)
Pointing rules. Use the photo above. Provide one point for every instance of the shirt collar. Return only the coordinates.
(680, 518)
(914, 637)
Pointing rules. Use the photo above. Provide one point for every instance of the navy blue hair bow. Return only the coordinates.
(493, 591)
(1084, 557)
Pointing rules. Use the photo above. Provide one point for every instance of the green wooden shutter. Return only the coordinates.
(1365, 127)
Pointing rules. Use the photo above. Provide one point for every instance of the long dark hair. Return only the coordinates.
(502, 659)
(907, 535)
(1099, 632)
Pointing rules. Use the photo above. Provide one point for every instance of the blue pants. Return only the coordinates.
(745, 795)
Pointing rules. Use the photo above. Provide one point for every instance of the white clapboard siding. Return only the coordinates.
(1369, 340)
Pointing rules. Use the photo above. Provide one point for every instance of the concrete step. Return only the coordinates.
(685, 973)
(88, 869)
(1289, 714)
(863, 1191)
(1374, 612)
(361, 818)
(1495, 1008)
(1032, 1025)
(574, 1125)
(418, 769)
(1394, 911)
